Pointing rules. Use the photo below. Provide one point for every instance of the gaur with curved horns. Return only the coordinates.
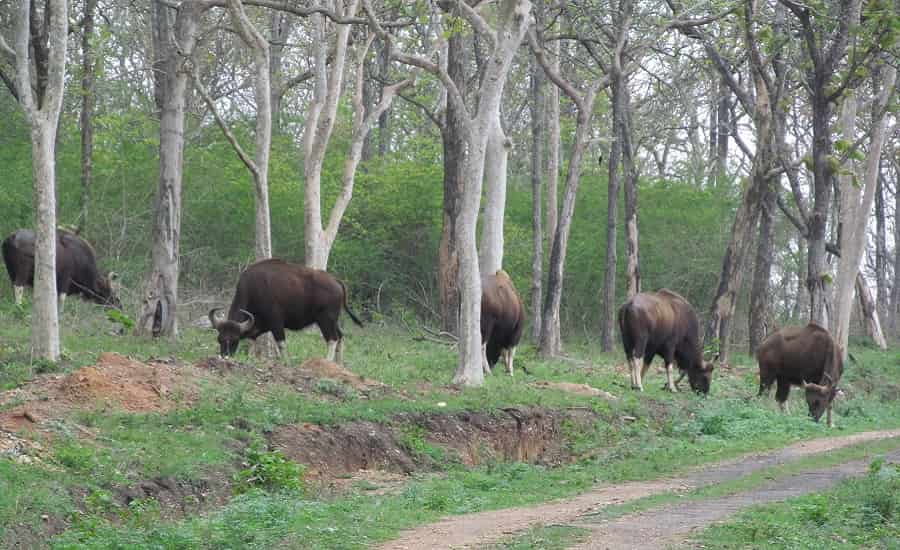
(274, 295)
(802, 356)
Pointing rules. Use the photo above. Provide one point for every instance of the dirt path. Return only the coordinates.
(674, 524)
(476, 530)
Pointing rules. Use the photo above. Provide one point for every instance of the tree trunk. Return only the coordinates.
(869, 313)
(158, 315)
(513, 20)
(87, 110)
(895, 288)
(454, 148)
(612, 202)
(538, 110)
(881, 253)
(496, 156)
(40, 62)
(856, 204)
(551, 343)
(553, 149)
(723, 120)
(44, 314)
(319, 125)
(630, 177)
(762, 273)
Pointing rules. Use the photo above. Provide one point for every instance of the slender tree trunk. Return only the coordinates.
(87, 109)
(40, 62)
(612, 202)
(762, 272)
(497, 154)
(881, 253)
(538, 109)
(895, 287)
(869, 313)
(553, 149)
(170, 82)
(513, 19)
(44, 316)
(551, 343)
(454, 147)
(319, 126)
(856, 204)
(723, 120)
(630, 176)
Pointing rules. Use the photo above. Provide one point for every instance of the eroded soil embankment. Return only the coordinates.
(526, 434)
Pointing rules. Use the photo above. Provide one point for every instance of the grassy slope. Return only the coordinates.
(670, 433)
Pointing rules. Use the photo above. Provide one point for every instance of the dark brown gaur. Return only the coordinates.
(502, 320)
(76, 268)
(663, 323)
(806, 356)
(274, 295)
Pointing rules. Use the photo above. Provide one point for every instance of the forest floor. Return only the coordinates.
(133, 442)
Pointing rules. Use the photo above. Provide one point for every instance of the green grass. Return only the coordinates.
(859, 513)
(545, 537)
(669, 434)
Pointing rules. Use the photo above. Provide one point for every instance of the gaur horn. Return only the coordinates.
(212, 318)
(248, 324)
(817, 387)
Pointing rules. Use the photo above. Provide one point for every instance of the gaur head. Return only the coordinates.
(819, 396)
(230, 332)
(106, 291)
(701, 377)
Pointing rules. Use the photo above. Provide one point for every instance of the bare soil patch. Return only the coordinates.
(306, 378)
(115, 382)
(527, 435)
(577, 389)
(483, 528)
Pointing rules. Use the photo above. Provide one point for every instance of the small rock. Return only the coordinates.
(441, 404)
(629, 418)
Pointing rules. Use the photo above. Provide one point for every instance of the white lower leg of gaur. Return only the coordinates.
(18, 292)
(670, 378)
(632, 373)
(62, 301)
(332, 349)
(280, 348)
(510, 355)
(339, 352)
(639, 374)
(830, 421)
(484, 361)
(784, 407)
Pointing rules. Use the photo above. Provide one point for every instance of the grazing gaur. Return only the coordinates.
(663, 323)
(801, 356)
(273, 295)
(76, 268)
(502, 320)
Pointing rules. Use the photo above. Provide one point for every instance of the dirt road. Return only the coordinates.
(478, 530)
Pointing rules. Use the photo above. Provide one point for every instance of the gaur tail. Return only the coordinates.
(9, 258)
(347, 308)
